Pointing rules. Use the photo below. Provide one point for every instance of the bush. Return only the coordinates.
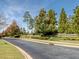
(75, 38)
(35, 37)
(39, 37)
(0, 36)
(16, 36)
(63, 38)
(49, 37)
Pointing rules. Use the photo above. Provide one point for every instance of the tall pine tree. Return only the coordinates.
(45, 23)
(76, 20)
(51, 22)
(62, 26)
(39, 22)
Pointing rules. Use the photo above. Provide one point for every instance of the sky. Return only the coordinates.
(15, 9)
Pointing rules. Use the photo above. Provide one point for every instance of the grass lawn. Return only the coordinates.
(7, 51)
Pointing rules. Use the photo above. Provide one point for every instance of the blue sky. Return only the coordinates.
(14, 9)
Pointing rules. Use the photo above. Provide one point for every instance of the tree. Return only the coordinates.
(45, 23)
(15, 28)
(2, 21)
(69, 25)
(29, 20)
(76, 20)
(36, 25)
(39, 22)
(12, 30)
(51, 22)
(62, 26)
(23, 31)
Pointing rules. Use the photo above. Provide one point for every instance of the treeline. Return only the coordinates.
(46, 23)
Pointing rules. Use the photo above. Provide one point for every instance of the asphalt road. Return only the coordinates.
(43, 51)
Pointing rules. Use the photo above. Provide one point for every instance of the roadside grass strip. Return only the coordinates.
(7, 51)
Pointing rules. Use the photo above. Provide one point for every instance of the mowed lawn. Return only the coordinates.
(7, 51)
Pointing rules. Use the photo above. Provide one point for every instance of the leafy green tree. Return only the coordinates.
(23, 31)
(51, 21)
(62, 26)
(69, 25)
(76, 20)
(39, 22)
(37, 25)
(45, 23)
(29, 20)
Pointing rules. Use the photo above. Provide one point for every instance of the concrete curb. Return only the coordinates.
(53, 43)
(26, 55)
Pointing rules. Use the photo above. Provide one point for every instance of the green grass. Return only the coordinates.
(7, 51)
(51, 38)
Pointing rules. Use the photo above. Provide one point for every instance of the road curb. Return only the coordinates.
(26, 55)
(52, 43)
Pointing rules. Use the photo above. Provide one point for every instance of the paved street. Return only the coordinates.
(43, 51)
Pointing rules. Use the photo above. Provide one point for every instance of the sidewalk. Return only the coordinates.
(59, 43)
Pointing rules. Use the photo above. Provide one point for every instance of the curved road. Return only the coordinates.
(43, 51)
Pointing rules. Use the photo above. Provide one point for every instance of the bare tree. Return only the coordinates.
(2, 21)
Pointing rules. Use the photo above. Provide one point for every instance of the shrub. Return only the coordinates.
(16, 36)
(40, 37)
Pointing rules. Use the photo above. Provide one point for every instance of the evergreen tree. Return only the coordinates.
(69, 25)
(62, 26)
(76, 20)
(39, 22)
(36, 25)
(45, 23)
(50, 22)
